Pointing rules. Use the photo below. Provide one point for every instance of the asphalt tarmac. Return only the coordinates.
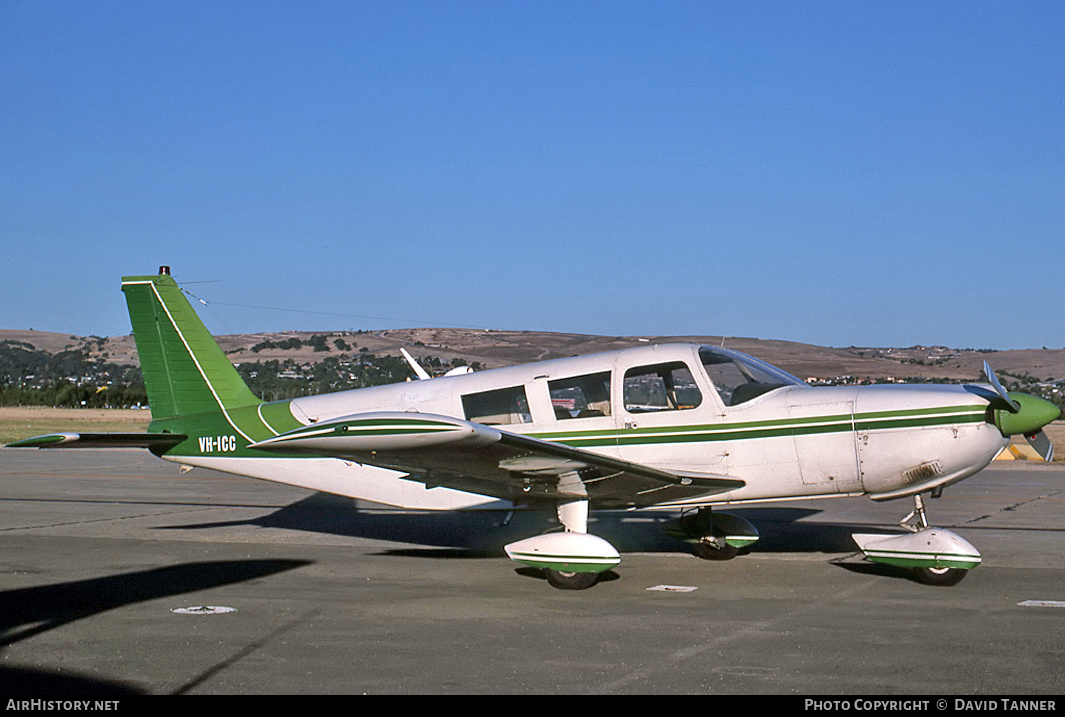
(98, 549)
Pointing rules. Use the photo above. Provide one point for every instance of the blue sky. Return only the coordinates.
(866, 173)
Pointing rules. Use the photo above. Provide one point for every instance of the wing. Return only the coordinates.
(450, 452)
(157, 441)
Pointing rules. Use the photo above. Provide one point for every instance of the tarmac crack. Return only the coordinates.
(694, 651)
(1012, 507)
(100, 520)
(237, 656)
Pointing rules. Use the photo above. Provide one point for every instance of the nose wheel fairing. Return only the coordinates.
(938, 556)
(935, 548)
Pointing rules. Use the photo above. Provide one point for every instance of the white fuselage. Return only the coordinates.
(792, 441)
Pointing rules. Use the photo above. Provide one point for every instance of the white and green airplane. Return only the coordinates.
(681, 427)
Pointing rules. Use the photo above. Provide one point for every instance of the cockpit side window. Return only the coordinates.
(661, 387)
(581, 396)
(739, 378)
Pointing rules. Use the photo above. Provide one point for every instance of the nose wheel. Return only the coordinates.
(917, 521)
(943, 577)
(937, 556)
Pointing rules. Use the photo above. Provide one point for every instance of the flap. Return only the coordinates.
(450, 452)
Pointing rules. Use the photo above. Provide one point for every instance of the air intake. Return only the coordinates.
(923, 472)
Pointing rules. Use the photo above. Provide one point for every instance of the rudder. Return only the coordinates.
(185, 370)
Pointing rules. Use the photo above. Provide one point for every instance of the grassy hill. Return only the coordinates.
(297, 353)
(501, 348)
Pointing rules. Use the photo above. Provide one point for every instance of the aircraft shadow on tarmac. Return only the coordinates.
(31, 611)
(474, 534)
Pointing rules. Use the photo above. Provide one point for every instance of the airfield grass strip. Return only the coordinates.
(18, 422)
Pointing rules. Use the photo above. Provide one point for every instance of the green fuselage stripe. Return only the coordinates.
(811, 425)
(278, 418)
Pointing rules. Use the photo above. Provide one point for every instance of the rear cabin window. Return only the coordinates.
(581, 396)
(662, 387)
(497, 408)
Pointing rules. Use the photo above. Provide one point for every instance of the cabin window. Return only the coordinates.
(500, 407)
(738, 378)
(662, 387)
(581, 396)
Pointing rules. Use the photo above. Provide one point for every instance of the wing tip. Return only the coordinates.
(44, 441)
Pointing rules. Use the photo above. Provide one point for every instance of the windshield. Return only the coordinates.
(739, 378)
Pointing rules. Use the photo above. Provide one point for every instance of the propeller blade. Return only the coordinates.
(418, 370)
(1042, 445)
(993, 380)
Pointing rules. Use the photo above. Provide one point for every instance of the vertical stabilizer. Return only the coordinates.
(185, 371)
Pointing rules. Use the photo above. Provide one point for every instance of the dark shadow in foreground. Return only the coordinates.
(36, 683)
(33, 610)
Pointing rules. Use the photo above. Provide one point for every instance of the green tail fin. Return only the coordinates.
(185, 371)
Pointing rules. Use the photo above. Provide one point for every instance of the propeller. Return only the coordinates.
(1041, 443)
(992, 379)
(422, 374)
(1024, 415)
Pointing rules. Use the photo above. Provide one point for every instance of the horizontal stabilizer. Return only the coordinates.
(101, 440)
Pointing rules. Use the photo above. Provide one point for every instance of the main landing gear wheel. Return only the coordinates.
(570, 581)
(572, 559)
(940, 576)
(709, 551)
(711, 535)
